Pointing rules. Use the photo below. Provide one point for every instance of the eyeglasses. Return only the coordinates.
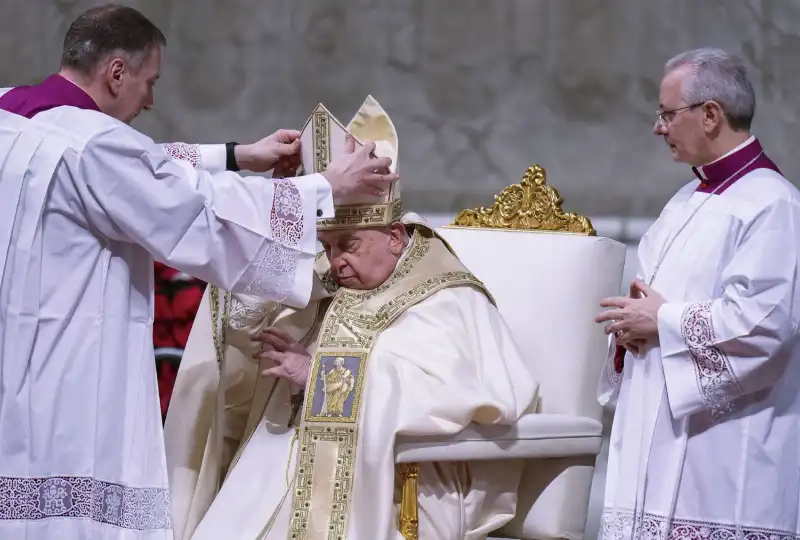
(665, 118)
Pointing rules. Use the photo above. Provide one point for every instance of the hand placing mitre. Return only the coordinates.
(280, 151)
(286, 167)
(634, 320)
(292, 360)
(359, 174)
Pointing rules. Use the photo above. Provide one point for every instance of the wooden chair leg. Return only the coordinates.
(409, 515)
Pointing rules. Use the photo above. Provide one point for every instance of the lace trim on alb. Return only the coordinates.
(625, 525)
(273, 277)
(286, 220)
(246, 310)
(84, 498)
(184, 152)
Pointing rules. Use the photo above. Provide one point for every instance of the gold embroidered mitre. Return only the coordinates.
(322, 140)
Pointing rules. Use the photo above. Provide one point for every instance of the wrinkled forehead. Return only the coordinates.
(341, 236)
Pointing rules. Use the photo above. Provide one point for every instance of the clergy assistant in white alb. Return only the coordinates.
(704, 443)
(88, 204)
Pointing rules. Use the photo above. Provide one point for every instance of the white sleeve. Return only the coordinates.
(4, 90)
(715, 351)
(251, 235)
(610, 381)
(210, 157)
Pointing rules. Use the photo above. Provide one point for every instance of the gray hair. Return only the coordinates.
(719, 76)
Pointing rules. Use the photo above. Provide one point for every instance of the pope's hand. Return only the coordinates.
(280, 151)
(634, 320)
(292, 360)
(358, 175)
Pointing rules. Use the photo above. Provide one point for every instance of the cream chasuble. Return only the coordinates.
(706, 440)
(445, 359)
(88, 204)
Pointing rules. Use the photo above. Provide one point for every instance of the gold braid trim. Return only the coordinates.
(219, 328)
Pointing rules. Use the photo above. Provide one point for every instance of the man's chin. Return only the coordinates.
(675, 153)
(349, 283)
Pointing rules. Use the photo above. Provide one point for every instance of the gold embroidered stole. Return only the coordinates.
(301, 322)
(329, 433)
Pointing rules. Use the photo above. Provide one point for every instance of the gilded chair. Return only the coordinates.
(548, 271)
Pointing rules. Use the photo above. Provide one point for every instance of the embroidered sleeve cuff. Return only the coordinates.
(285, 268)
(189, 153)
(300, 294)
(212, 157)
(280, 274)
(697, 373)
(322, 193)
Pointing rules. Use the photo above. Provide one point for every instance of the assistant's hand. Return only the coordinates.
(358, 175)
(634, 320)
(281, 148)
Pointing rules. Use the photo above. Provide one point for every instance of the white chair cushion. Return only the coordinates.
(534, 436)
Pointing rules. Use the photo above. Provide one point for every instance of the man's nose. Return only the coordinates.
(337, 263)
(659, 128)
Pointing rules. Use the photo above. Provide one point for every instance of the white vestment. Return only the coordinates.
(706, 422)
(444, 363)
(88, 203)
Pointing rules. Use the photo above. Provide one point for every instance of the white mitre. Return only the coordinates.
(322, 139)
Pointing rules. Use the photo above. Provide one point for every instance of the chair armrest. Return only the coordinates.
(533, 436)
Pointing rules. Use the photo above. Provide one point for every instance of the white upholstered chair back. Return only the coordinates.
(548, 285)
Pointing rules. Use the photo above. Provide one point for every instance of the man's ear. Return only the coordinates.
(713, 116)
(113, 73)
(398, 237)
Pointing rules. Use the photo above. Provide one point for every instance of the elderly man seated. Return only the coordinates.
(399, 339)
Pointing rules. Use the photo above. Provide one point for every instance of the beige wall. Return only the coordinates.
(477, 89)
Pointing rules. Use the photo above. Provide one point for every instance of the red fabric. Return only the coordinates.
(177, 299)
(619, 359)
(167, 373)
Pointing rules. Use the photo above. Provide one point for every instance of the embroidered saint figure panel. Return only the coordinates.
(335, 390)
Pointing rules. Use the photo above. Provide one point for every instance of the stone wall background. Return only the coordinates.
(478, 90)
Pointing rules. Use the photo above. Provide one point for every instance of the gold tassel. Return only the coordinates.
(409, 519)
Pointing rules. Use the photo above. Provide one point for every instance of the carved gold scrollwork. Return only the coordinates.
(529, 205)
